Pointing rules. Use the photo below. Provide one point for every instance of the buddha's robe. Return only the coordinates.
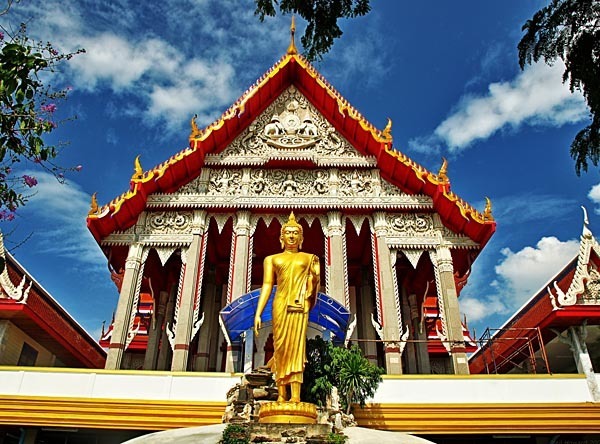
(297, 287)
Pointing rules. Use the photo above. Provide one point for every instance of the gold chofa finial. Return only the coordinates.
(196, 132)
(387, 131)
(292, 48)
(93, 205)
(487, 213)
(138, 172)
(443, 173)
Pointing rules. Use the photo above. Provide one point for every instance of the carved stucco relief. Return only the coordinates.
(290, 127)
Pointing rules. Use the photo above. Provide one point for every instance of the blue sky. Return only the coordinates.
(446, 73)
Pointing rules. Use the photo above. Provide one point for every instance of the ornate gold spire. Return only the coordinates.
(387, 131)
(196, 132)
(443, 172)
(138, 172)
(93, 205)
(292, 48)
(487, 213)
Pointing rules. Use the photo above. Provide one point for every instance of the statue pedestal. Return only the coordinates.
(287, 413)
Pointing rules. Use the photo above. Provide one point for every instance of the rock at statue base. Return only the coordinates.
(288, 413)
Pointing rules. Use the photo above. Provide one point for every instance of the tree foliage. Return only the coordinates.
(27, 113)
(570, 30)
(355, 377)
(322, 17)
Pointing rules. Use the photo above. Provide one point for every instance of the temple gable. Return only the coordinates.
(291, 129)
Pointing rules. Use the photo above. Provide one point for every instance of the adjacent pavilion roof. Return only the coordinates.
(571, 297)
(292, 69)
(25, 303)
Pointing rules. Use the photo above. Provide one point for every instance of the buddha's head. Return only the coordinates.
(291, 233)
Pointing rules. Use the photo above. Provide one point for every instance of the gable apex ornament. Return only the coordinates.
(292, 48)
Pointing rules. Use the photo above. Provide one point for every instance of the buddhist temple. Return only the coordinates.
(186, 242)
(185, 246)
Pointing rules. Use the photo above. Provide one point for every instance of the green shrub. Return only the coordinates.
(336, 438)
(235, 434)
(355, 377)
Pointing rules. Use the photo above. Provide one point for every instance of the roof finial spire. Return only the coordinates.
(292, 48)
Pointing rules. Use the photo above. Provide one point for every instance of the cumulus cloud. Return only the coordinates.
(536, 97)
(594, 196)
(518, 276)
(477, 309)
(170, 81)
(61, 210)
(524, 272)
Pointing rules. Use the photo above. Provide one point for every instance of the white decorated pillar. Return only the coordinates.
(126, 307)
(238, 283)
(336, 283)
(452, 329)
(239, 278)
(386, 290)
(576, 340)
(155, 331)
(188, 301)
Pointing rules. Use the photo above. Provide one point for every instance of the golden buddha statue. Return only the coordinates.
(297, 277)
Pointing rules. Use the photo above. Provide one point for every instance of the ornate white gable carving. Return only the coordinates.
(585, 286)
(7, 288)
(290, 128)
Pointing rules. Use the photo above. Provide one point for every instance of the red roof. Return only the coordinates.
(292, 69)
(538, 313)
(43, 319)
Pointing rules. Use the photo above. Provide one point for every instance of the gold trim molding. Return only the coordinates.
(413, 418)
(481, 418)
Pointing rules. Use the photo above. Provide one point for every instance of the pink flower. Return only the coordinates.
(30, 181)
(1, 36)
(78, 168)
(50, 108)
(7, 215)
(54, 52)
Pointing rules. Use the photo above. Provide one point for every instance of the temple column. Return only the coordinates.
(240, 257)
(576, 341)
(130, 290)
(165, 347)
(188, 303)
(239, 281)
(261, 341)
(211, 323)
(386, 289)
(364, 317)
(418, 327)
(409, 355)
(336, 283)
(449, 310)
(155, 332)
(248, 350)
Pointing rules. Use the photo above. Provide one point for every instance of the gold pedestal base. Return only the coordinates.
(288, 413)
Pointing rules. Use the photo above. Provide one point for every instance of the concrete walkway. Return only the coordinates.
(212, 434)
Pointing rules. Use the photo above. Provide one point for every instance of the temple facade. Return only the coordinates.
(187, 241)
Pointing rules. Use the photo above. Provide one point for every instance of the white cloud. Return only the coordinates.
(524, 272)
(518, 275)
(594, 196)
(536, 97)
(529, 207)
(61, 210)
(477, 309)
